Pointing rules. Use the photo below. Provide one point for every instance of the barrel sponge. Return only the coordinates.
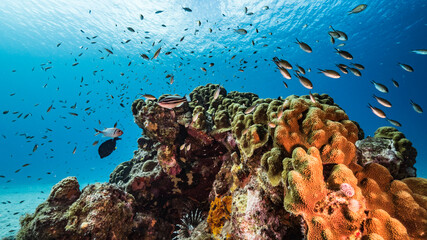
(328, 212)
(323, 126)
(254, 137)
(392, 196)
(272, 162)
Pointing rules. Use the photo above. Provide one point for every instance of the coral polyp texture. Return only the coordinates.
(235, 166)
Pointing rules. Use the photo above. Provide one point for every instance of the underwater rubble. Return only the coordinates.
(235, 166)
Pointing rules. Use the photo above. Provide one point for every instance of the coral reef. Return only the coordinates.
(234, 166)
(100, 211)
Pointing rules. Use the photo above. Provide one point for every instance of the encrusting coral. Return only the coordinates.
(257, 168)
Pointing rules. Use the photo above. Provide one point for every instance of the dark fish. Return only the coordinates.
(59, 44)
(131, 29)
(108, 50)
(187, 9)
(144, 56)
(107, 147)
(156, 54)
(157, 12)
(396, 84)
(35, 147)
(141, 17)
(27, 164)
(75, 64)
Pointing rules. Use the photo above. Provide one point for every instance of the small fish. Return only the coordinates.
(313, 100)
(75, 149)
(216, 94)
(358, 9)
(282, 63)
(144, 56)
(74, 114)
(304, 46)
(149, 97)
(341, 35)
(305, 81)
(251, 109)
(131, 29)
(284, 83)
(377, 111)
(344, 54)
(187, 9)
(171, 80)
(406, 67)
(156, 54)
(108, 50)
(241, 31)
(395, 83)
(199, 23)
(203, 69)
(380, 87)
(272, 125)
(160, 11)
(265, 8)
(94, 143)
(75, 64)
(50, 108)
(343, 68)
(416, 107)
(382, 101)
(285, 73)
(25, 165)
(141, 16)
(182, 147)
(171, 102)
(188, 147)
(35, 147)
(107, 147)
(420, 51)
(358, 66)
(394, 122)
(330, 73)
(59, 44)
(355, 71)
(110, 132)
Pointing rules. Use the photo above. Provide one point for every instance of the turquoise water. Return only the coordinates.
(31, 30)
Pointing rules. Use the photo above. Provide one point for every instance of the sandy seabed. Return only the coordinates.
(31, 195)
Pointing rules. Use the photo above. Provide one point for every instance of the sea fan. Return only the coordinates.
(188, 223)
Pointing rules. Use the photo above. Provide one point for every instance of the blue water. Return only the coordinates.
(30, 31)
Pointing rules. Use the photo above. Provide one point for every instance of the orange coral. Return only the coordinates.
(394, 197)
(219, 212)
(323, 126)
(327, 211)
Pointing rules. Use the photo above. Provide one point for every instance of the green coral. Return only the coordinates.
(272, 162)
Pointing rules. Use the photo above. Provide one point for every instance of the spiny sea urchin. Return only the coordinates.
(188, 223)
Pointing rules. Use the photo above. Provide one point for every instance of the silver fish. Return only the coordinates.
(344, 54)
(380, 87)
(406, 67)
(304, 46)
(358, 9)
(285, 73)
(395, 83)
(216, 94)
(355, 71)
(416, 107)
(329, 73)
(358, 66)
(377, 111)
(251, 109)
(420, 51)
(305, 81)
(394, 122)
(241, 31)
(382, 101)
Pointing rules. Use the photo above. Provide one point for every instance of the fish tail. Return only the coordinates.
(297, 40)
(97, 131)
